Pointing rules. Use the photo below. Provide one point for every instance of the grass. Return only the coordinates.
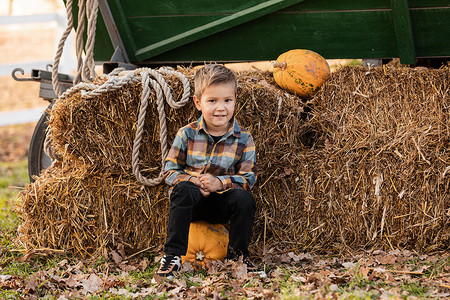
(354, 62)
(14, 176)
(414, 289)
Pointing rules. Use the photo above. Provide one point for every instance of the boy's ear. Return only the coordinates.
(197, 103)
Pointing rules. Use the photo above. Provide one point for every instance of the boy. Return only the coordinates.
(212, 167)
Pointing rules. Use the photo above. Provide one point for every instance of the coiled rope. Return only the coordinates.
(116, 80)
(149, 78)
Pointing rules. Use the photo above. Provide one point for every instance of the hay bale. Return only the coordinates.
(389, 126)
(74, 208)
(361, 165)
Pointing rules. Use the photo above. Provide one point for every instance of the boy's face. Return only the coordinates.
(217, 107)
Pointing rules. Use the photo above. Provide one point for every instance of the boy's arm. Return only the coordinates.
(175, 162)
(246, 170)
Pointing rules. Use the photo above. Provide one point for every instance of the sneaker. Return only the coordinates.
(169, 265)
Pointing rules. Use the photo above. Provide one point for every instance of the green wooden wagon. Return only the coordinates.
(136, 33)
(162, 32)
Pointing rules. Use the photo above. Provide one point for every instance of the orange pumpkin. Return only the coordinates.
(206, 242)
(301, 72)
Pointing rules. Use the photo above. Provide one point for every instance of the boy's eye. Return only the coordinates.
(211, 100)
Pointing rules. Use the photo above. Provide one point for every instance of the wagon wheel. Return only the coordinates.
(37, 159)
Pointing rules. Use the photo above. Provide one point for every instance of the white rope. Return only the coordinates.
(79, 41)
(86, 74)
(59, 51)
(85, 69)
(149, 78)
(89, 66)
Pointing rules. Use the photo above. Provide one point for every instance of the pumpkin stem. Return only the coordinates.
(281, 65)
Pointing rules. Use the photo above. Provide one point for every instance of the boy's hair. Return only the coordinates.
(210, 75)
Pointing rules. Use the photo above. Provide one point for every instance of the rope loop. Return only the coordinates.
(162, 91)
(88, 10)
(150, 79)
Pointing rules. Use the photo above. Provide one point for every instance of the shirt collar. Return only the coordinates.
(234, 130)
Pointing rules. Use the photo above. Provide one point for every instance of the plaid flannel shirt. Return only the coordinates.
(232, 159)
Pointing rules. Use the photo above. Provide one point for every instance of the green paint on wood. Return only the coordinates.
(334, 29)
(431, 29)
(122, 26)
(213, 27)
(331, 34)
(102, 41)
(403, 31)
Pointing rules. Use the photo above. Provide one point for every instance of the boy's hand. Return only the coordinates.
(197, 182)
(210, 183)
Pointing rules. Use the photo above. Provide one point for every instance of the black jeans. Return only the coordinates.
(187, 205)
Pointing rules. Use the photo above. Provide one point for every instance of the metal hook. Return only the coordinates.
(13, 74)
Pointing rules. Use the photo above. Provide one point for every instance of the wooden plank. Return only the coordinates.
(113, 32)
(403, 31)
(140, 8)
(341, 5)
(213, 27)
(148, 31)
(367, 33)
(331, 34)
(103, 48)
(431, 29)
(122, 26)
(428, 3)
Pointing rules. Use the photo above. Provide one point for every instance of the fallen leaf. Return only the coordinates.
(26, 257)
(268, 294)
(121, 250)
(339, 279)
(76, 268)
(63, 263)
(92, 284)
(4, 278)
(254, 292)
(158, 279)
(127, 268)
(313, 278)
(349, 265)
(387, 259)
(406, 253)
(176, 291)
(75, 280)
(390, 277)
(196, 279)
(423, 268)
(285, 258)
(298, 279)
(334, 287)
(365, 271)
(375, 276)
(186, 267)
(116, 257)
(35, 280)
(143, 264)
(324, 273)
(240, 271)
